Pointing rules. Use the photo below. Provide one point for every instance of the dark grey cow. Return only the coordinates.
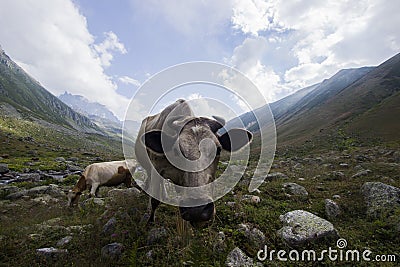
(186, 132)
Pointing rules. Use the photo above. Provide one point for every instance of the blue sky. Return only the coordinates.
(104, 50)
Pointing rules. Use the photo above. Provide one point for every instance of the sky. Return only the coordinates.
(105, 50)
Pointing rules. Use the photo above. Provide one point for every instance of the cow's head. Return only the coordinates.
(74, 194)
(188, 140)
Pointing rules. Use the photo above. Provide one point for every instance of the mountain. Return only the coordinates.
(21, 96)
(100, 115)
(87, 108)
(363, 102)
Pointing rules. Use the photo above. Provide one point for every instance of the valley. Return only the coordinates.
(338, 157)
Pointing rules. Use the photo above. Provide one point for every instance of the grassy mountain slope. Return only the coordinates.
(24, 96)
(337, 107)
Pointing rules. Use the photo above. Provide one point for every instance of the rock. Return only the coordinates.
(295, 189)
(17, 195)
(334, 175)
(28, 177)
(64, 241)
(3, 168)
(73, 159)
(93, 201)
(254, 236)
(237, 258)
(45, 199)
(302, 227)
(380, 198)
(110, 226)
(344, 165)
(51, 253)
(298, 166)
(155, 235)
(51, 189)
(112, 251)
(361, 158)
(6, 190)
(79, 229)
(74, 168)
(332, 209)
(276, 175)
(251, 199)
(126, 193)
(219, 243)
(59, 159)
(361, 173)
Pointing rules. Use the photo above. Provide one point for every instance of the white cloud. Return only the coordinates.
(51, 41)
(107, 47)
(248, 57)
(254, 16)
(129, 80)
(322, 36)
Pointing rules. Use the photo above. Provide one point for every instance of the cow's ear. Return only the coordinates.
(235, 139)
(121, 169)
(153, 141)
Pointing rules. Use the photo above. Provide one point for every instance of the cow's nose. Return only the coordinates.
(201, 213)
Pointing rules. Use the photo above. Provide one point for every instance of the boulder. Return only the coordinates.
(128, 192)
(254, 236)
(28, 177)
(276, 175)
(64, 241)
(361, 173)
(59, 159)
(302, 227)
(220, 243)
(332, 209)
(3, 168)
(93, 201)
(52, 190)
(51, 252)
(381, 199)
(17, 195)
(110, 226)
(45, 199)
(237, 258)
(6, 190)
(112, 251)
(295, 189)
(251, 199)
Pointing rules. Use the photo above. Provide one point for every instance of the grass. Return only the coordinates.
(182, 245)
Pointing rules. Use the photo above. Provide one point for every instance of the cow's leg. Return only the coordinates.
(154, 204)
(94, 189)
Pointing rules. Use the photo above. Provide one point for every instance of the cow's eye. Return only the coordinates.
(218, 151)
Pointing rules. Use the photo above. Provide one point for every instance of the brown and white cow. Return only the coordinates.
(111, 173)
(190, 131)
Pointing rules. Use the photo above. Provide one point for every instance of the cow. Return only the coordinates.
(187, 131)
(98, 174)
